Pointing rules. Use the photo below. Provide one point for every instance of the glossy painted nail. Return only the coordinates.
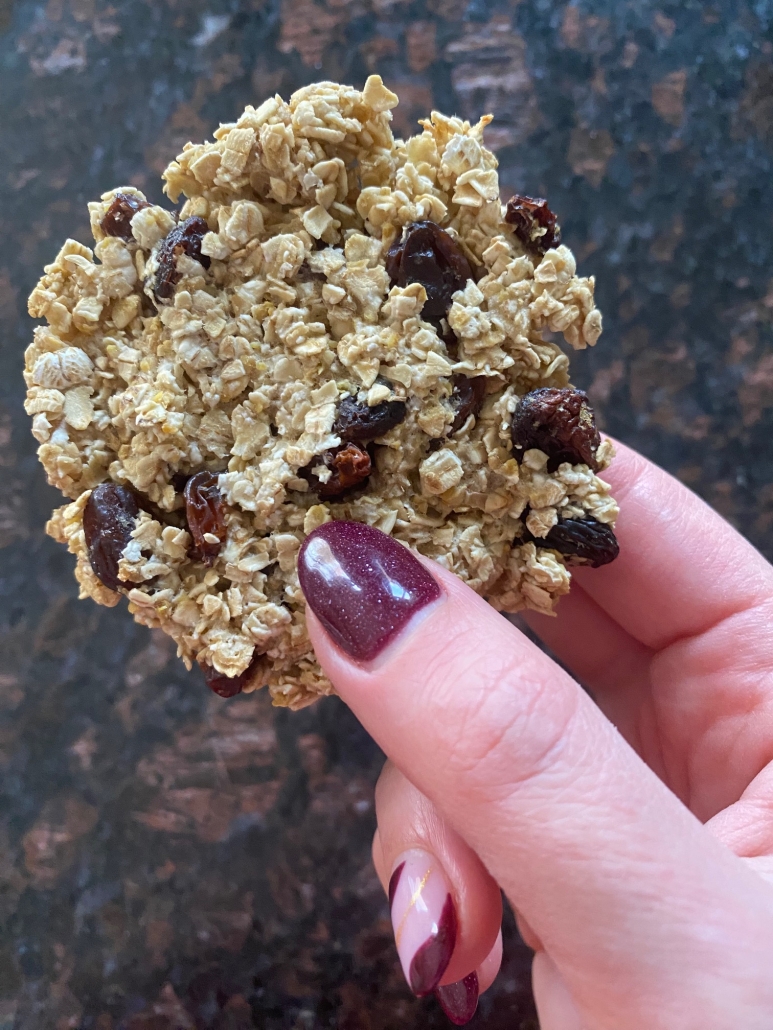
(459, 1000)
(423, 919)
(362, 585)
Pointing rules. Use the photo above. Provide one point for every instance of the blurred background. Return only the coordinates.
(170, 861)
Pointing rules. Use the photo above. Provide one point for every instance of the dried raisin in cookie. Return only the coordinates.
(335, 324)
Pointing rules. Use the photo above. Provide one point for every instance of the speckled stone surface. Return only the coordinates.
(170, 861)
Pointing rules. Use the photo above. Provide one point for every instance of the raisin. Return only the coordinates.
(559, 422)
(229, 686)
(205, 514)
(357, 423)
(350, 466)
(467, 399)
(428, 255)
(448, 336)
(583, 542)
(109, 518)
(118, 218)
(185, 238)
(535, 224)
(305, 275)
(179, 481)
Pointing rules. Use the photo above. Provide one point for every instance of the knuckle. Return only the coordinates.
(506, 730)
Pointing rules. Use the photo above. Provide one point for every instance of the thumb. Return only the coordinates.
(648, 918)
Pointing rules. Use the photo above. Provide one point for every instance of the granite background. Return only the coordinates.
(169, 861)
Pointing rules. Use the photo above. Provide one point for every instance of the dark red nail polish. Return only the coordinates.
(362, 585)
(431, 960)
(423, 919)
(394, 879)
(460, 1000)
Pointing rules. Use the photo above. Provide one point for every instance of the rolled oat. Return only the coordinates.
(258, 359)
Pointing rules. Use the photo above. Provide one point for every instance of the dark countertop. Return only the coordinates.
(170, 861)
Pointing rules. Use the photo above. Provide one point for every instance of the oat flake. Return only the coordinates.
(276, 313)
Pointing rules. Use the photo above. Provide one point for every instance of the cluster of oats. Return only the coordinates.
(241, 369)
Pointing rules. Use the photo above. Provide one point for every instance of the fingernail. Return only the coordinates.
(459, 1000)
(423, 919)
(362, 585)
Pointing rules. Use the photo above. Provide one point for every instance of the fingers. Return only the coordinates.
(746, 827)
(520, 762)
(489, 968)
(555, 1007)
(681, 569)
(421, 861)
(613, 665)
(689, 587)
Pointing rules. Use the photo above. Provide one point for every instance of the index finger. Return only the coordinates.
(682, 569)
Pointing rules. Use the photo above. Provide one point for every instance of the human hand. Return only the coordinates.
(633, 835)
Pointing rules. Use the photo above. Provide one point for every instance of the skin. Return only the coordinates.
(632, 828)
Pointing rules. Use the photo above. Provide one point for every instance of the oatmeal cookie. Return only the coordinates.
(335, 324)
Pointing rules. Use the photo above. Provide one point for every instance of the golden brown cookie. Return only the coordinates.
(336, 324)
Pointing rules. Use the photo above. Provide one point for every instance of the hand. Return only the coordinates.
(633, 833)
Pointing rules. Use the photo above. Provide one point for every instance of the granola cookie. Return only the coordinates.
(336, 324)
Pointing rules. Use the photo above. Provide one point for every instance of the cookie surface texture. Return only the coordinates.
(334, 324)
